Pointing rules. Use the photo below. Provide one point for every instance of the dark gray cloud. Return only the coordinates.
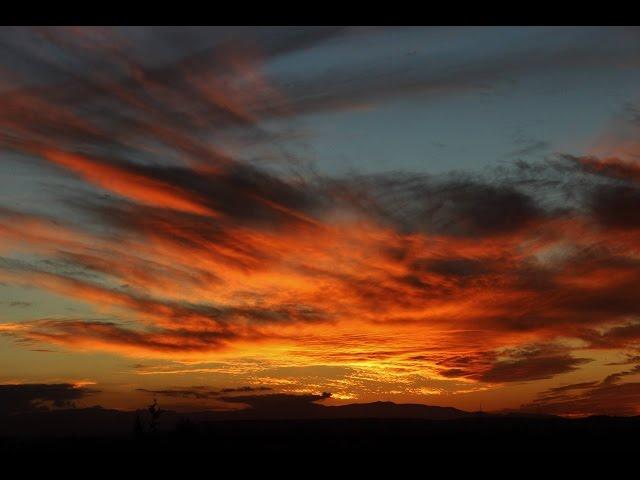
(37, 396)
(112, 91)
(456, 205)
(278, 402)
(562, 390)
(526, 363)
(202, 392)
(616, 206)
(531, 368)
(608, 397)
(362, 84)
(620, 336)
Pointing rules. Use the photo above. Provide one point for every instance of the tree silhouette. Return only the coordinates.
(138, 426)
(155, 413)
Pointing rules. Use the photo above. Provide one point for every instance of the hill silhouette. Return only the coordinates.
(107, 422)
(308, 426)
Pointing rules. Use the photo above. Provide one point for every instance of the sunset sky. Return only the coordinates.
(447, 216)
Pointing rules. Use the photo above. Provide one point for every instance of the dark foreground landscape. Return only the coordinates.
(377, 426)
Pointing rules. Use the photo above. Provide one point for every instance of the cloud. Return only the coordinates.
(109, 336)
(615, 377)
(34, 396)
(201, 282)
(531, 368)
(523, 364)
(278, 402)
(561, 391)
(618, 336)
(202, 392)
(436, 74)
(456, 205)
(612, 168)
(608, 397)
(616, 206)
(606, 400)
(179, 246)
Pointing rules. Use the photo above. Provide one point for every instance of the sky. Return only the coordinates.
(444, 215)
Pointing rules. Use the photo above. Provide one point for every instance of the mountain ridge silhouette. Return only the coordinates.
(97, 420)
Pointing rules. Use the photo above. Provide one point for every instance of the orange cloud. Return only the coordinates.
(395, 278)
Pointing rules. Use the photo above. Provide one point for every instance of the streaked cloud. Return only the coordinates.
(185, 250)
